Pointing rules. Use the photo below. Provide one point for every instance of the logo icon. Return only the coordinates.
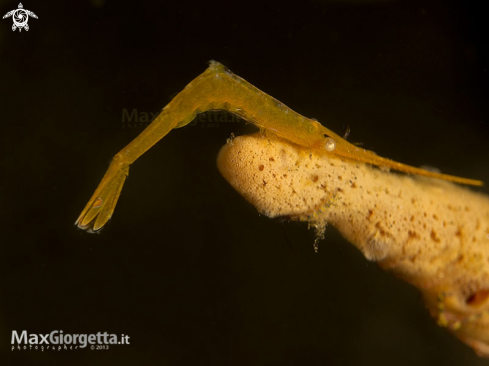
(20, 17)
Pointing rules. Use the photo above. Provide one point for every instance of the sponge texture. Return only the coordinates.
(432, 233)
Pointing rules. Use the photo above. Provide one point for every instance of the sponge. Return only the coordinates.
(432, 233)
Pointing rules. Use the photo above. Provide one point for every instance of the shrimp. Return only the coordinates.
(219, 89)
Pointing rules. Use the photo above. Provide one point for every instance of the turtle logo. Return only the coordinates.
(20, 17)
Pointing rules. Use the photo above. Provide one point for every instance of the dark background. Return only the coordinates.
(186, 267)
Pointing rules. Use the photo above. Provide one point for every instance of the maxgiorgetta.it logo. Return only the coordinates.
(20, 17)
(57, 340)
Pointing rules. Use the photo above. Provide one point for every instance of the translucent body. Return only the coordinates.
(219, 89)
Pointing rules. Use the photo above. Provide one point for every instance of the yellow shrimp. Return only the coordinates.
(219, 89)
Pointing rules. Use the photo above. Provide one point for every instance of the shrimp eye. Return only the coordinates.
(330, 144)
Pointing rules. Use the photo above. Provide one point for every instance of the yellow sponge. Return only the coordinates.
(432, 233)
